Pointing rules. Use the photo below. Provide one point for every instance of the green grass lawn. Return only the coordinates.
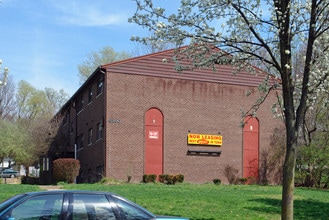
(9, 190)
(208, 201)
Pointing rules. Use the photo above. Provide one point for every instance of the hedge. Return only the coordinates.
(149, 178)
(66, 169)
(171, 179)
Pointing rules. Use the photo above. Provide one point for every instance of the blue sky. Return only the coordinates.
(43, 41)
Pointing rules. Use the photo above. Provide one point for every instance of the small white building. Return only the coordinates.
(6, 162)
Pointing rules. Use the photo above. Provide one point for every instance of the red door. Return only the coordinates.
(153, 142)
(250, 147)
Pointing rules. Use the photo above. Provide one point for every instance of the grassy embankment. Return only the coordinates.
(207, 201)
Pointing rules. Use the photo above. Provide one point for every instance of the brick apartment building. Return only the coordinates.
(140, 116)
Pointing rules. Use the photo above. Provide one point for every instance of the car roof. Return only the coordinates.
(52, 192)
(67, 191)
(62, 191)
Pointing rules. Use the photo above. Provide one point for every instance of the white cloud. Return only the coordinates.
(43, 41)
(86, 13)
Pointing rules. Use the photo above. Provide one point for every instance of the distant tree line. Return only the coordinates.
(25, 113)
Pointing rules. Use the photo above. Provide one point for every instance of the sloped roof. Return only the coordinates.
(161, 64)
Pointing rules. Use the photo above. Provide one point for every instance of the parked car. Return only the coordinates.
(74, 205)
(9, 172)
(3, 168)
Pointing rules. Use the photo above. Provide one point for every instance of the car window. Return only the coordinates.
(5, 204)
(132, 212)
(43, 207)
(92, 207)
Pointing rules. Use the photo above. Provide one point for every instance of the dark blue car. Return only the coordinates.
(73, 205)
(9, 173)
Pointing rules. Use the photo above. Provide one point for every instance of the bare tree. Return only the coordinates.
(55, 99)
(4, 74)
(272, 158)
(7, 100)
(95, 59)
(152, 47)
(35, 109)
(249, 26)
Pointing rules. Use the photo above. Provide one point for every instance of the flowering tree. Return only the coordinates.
(267, 32)
(4, 72)
(7, 93)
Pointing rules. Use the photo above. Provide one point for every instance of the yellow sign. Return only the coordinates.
(204, 139)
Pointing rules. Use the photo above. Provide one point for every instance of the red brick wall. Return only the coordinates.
(91, 156)
(187, 105)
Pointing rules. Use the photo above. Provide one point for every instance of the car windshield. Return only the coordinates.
(5, 204)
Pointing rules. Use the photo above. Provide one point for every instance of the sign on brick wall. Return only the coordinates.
(205, 139)
(153, 134)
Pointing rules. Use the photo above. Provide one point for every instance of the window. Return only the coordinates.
(72, 127)
(79, 104)
(90, 136)
(90, 95)
(45, 164)
(80, 141)
(100, 85)
(66, 117)
(100, 130)
(39, 207)
(132, 212)
(86, 206)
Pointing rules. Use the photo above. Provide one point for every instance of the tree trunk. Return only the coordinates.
(288, 183)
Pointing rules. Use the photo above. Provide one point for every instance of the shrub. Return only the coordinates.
(217, 181)
(30, 180)
(66, 169)
(171, 179)
(167, 179)
(241, 181)
(180, 178)
(149, 178)
(162, 178)
(252, 180)
(231, 173)
(109, 181)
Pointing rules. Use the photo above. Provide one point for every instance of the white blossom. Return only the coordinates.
(161, 25)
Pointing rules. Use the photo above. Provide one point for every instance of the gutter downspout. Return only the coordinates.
(103, 71)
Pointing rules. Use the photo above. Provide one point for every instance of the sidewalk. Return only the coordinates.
(11, 180)
(50, 187)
